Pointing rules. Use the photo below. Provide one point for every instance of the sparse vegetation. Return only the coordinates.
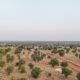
(31, 65)
(39, 61)
(9, 58)
(36, 72)
(64, 64)
(22, 69)
(21, 62)
(37, 57)
(2, 63)
(8, 49)
(22, 79)
(61, 53)
(78, 76)
(9, 70)
(54, 62)
(66, 72)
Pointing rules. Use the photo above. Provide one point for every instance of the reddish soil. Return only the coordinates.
(70, 63)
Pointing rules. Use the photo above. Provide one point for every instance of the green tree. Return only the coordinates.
(76, 54)
(78, 76)
(66, 72)
(2, 53)
(9, 58)
(61, 53)
(8, 49)
(35, 72)
(31, 65)
(21, 62)
(2, 63)
(22, 69)
(22, 79)
(9, 70)
(37, 56)
(64, 64)
(55, 51)
(49, 74)
(54, 62)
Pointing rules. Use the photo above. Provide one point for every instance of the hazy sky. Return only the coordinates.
(48, 20)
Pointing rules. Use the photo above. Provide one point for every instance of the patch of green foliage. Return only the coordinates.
(35, 72)
(21, 62)
(2, 63)
(78, 76)
(66, 72)
(9, 58)
(31, 65)
(9, 70)
(22, 69)
(54, 62)
(64, 64)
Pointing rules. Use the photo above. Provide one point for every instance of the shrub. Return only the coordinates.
(64, 64)
(22, 69)
(18, 50)
(31, 65)
(66, 72)
(8, 49)
(54, 62)
(78, 76)
(2, 53)
(74, 51)
(61, 53)
(21, 62)
(37, 57)
(23, 79)
(76, 54)
(79, 56)
(9, 70)
(49, 57)
(35, 72)
(54, 51)
(67, 50)
(49, 74)
(9, 58)
(2, 63)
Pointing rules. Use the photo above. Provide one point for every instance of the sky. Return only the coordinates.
(39, 20)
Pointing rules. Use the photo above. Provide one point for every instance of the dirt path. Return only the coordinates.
(70, 63)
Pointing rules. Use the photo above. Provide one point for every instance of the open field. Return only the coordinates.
(39, 60)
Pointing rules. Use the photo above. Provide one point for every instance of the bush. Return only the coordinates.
(21, 62)
(79, 56)
(61, 53)
(74, 51)
(22, 69)
(31, 65)
(78, 76)
(76, 54)
(9, 70)
(8, 49)
(35, 72)
(2, 53)
(49, 57)
(10, 58)
(22, 79)
(54, 62)
(18, 50)
(54, 51)
(64, 64)
(2, 63)
(49, 74)
(66, 72)
(37, 57)
(67, 50)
